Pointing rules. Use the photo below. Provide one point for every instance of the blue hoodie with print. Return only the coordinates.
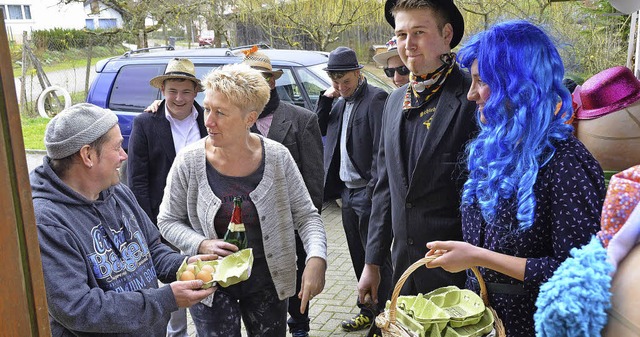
(102, 260)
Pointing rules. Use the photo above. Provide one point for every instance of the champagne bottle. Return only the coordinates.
(235, 233)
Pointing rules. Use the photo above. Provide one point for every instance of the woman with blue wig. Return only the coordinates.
(533, 192)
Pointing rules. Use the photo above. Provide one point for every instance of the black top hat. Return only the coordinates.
(342, 59)
(457, 21)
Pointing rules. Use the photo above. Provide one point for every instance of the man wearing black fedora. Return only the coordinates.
(427, 123)
(349, 114)
(156, 138)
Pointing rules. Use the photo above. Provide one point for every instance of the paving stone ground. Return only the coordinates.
(337, 302)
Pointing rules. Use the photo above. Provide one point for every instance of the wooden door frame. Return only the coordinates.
(23, 303)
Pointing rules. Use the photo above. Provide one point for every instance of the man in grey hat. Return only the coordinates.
(349, 114)
(101, 255)
(427, 125)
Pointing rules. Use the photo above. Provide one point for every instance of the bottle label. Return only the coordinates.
(236, 227)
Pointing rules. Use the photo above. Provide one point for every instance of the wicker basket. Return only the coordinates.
(386, 321)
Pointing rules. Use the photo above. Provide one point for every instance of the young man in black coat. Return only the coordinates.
(350, 114)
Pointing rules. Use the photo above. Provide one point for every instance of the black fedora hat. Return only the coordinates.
(457, 21)
(342, 59)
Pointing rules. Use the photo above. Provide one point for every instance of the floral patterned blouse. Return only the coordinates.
(569, 195)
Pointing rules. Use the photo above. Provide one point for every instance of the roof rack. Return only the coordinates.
(127, 54)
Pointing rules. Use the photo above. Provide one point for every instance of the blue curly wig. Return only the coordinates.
(524, 73)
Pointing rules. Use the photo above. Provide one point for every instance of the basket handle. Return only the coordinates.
(423, 262)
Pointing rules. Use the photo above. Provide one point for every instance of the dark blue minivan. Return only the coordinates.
(122, 83)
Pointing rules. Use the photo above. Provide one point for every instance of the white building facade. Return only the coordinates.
(30, 15)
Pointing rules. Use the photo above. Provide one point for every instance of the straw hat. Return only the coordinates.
(260, 61)
(178, 68)
(392, 50)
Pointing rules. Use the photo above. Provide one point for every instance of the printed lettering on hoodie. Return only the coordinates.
(114, 262)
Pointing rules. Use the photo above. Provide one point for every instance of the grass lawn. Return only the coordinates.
(33, 128)
(33, 132)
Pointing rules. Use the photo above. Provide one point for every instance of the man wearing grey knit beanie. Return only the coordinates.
(101, 255)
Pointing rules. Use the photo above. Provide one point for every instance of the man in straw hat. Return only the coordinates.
(427, 124)
(392, 64)
(101, 255)
(157, 137)
(296, 128)
(349, 113)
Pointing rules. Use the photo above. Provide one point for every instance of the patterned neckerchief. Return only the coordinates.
(423, 88)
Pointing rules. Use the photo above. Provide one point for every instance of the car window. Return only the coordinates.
(377, 81)
(288, 90)
(314, 80)
(131, 88)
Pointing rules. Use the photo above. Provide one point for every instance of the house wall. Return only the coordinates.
(49, 14)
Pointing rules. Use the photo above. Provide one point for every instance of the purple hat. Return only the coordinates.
(610, 90)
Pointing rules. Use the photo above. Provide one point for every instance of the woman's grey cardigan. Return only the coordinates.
(281, 199)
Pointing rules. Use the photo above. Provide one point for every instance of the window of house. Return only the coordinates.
(107, 23)
(89, 24)
(16, 12)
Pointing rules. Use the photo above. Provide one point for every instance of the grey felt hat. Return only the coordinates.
(75, 127)
(342, 59)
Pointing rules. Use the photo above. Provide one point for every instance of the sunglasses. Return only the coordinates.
(402, 71)
(267, 76)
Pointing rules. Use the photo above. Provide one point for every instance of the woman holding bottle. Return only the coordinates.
(199, 201)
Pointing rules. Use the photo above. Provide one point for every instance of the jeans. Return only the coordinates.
(356, 209)
(254, 300)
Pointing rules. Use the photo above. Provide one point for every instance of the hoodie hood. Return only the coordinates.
(46, 185)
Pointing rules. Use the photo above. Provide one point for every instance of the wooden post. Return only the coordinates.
(24, 303)
(23, 78)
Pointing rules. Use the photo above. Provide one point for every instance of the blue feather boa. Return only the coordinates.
(575, 300)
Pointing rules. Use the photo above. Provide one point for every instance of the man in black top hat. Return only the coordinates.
(349, 114)
(427, 123)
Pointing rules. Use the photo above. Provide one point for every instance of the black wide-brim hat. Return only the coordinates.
(457, 21)
(342, 59)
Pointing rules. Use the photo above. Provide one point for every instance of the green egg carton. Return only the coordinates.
(441, 290)
(406, 302)
(429, 314)
(234, 268)
(481, 328)
(406, 321)
(464, 306)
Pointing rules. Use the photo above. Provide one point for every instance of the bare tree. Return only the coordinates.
(135, 12)
(320, 22)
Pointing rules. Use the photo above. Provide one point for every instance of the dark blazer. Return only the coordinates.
(297, 129)
(363, 135)
(151, 154)
(425, 206)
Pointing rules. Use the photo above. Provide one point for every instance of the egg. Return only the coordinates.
(187, 276)
(207, 267)
(192, 268)
(204, 276)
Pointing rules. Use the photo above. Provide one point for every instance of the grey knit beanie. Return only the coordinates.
(75, 127)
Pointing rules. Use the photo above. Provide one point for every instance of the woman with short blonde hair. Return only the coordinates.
(198, 202)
